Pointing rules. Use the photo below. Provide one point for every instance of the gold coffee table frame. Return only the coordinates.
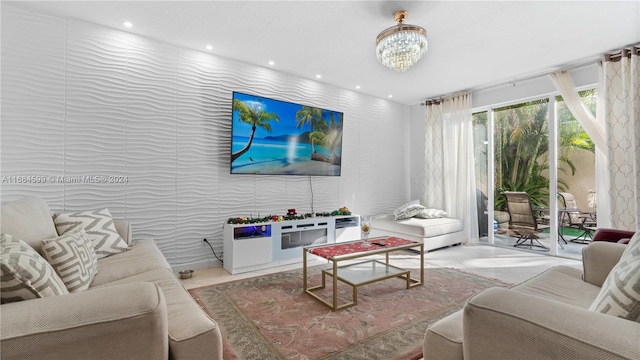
(360, 273)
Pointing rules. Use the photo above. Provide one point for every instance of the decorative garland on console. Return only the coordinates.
(271, 218)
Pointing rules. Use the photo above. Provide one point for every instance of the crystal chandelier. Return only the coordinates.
(401, 46)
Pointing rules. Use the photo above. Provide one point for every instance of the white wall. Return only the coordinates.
(82, 99)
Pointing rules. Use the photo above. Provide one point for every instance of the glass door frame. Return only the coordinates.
(553, 167)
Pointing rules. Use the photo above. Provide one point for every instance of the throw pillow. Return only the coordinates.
(99, 227)
(408, 210)
(73, 258)
(24, 274)
(620, 293)
(431, 214)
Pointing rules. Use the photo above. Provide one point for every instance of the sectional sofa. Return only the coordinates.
(563, 313)
(134, 307)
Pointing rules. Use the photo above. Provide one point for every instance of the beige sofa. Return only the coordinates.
(546, 317)
(135, 308)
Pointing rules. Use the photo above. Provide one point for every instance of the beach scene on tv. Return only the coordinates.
(273, 137)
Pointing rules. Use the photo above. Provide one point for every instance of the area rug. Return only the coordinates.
(269, 317)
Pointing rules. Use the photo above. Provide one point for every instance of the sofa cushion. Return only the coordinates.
(563, 284)
(73, 258)
(143, 256)
(28, 219)
(24, 273)
(620, 293)
(192, 334)
(98, 225)
(408, 210)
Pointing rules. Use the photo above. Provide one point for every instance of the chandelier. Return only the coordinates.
(401, 46)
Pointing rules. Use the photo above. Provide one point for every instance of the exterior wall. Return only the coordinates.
(583, 180)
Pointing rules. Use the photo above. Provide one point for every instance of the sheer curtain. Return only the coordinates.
(450, 176)
(616, 133)
(565, 85)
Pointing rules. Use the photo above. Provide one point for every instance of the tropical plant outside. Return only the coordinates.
(522, 147)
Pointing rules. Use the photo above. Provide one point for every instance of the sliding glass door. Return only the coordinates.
(536, 148)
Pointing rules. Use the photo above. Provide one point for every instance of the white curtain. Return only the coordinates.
(595, 129)
(449, 125)
(620, 100)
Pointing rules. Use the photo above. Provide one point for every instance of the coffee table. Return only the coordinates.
(359, 273)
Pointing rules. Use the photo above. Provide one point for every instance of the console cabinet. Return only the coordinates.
(249, 247)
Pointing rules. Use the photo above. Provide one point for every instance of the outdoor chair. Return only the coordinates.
(522, 222)
(575, 218)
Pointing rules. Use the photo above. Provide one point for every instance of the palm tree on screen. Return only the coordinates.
(256, 117)
(310, 115)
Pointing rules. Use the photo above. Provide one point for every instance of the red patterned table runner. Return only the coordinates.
(330, 251)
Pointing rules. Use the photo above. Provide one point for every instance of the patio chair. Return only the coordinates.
(522, 222)
(573, 217)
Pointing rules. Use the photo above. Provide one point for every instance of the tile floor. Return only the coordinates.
(509, 265)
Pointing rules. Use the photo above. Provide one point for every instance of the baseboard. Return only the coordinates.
(196, 265)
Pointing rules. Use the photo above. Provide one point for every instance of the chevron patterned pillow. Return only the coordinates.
(73, 258)
(620, 293)
(24, 274)
(98, 226)
(408, 210)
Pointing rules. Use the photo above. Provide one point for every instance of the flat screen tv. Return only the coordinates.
(273, 137)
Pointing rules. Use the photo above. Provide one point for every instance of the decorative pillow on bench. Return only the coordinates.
(99, 227)
(408, 210)
(431, 214)
(25, 274)
(620, 293)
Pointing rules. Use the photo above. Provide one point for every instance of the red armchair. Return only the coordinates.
(613, 235)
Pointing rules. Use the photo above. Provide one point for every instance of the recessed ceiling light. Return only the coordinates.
(128, 24)
(318, 76)
(357, 86)
(209, 47)
(390, 96)
(271, 63)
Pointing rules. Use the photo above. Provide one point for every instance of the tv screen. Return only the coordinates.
(272, 137)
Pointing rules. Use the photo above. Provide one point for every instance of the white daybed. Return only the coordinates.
(435, 233)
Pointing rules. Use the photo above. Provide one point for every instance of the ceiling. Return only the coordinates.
(472, 44)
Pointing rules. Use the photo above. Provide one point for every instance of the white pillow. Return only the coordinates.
(73, 258)
(408, 210)
(431, 214)
(620, 293)
(99, 227)
(24, 273)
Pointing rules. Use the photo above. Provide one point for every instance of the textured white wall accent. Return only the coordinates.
(81, 99)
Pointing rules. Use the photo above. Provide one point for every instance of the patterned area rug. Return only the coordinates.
(269, 317)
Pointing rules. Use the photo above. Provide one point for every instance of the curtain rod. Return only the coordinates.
(567, 67)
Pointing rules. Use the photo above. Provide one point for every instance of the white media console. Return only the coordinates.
(249, 247)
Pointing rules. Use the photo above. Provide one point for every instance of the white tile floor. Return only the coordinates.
(509, 265)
